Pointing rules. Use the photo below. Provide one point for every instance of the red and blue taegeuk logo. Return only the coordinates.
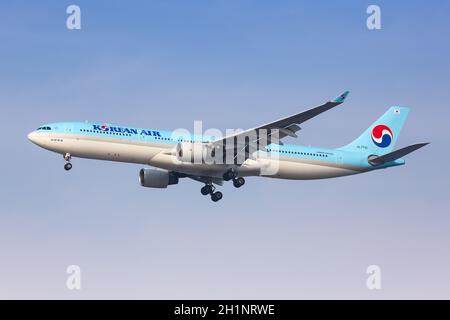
(382, 135)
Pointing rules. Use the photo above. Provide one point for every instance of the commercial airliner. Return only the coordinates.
(212, 160)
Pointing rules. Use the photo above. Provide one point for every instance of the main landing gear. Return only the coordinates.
(238, 182)
(209, 189)
(231, 175)
(68, 165)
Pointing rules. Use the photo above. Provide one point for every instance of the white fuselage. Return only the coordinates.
(159, 154)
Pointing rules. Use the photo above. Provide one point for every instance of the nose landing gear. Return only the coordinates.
(68, 165)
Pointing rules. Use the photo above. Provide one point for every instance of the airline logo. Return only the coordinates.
(126, 130)
(382, 136)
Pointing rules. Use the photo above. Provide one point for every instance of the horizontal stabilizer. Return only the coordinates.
(396, 154)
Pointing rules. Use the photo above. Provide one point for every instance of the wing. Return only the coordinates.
(273, 132)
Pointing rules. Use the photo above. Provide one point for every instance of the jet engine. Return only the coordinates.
(157, 178)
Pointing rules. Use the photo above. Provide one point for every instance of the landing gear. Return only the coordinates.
(238, 182)
(209, 189)
(230, 174)
(68, 165)
(216, 196)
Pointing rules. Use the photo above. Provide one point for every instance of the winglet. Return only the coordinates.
(341, 98)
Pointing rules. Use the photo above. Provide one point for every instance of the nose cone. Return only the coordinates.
(32, 136)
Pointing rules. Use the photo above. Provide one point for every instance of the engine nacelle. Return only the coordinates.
(156, 178)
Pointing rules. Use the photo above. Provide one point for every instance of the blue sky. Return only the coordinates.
(231, 64)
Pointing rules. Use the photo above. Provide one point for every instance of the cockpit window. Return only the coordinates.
(43, 128)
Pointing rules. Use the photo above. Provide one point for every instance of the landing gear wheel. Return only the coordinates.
(230, 174)
(238, 182)
(216, 196)
(207, 189)
(68, 166)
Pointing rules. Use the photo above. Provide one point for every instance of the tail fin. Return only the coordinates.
(382, 135)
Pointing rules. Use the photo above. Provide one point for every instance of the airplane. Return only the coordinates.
(172, 157)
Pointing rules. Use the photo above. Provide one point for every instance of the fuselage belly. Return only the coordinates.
(158, 154)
